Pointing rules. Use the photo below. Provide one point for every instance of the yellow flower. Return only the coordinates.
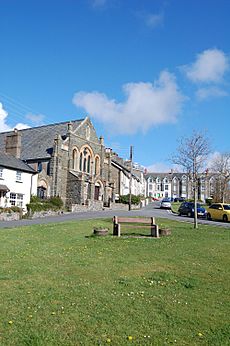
(130, 338)
(200, 334)
(10, 322)
(108, 340)
(53, 313)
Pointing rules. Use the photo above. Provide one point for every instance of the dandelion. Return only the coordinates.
(30, 316)
(130, 338)
(108, 340)
(53, 313)
(10, 322)
(200, 334)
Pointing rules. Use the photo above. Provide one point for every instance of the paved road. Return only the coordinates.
(151, 210)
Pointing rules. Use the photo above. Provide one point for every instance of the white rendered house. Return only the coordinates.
(18, 181)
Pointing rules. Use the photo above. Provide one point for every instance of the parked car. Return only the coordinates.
(187, 208)
(155, 199)
(165, 203)
(219, 211)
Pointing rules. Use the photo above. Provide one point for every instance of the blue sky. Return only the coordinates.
(146, 72)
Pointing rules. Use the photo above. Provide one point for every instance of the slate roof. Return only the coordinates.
(170, 176)
(37, 142)
(12, 162)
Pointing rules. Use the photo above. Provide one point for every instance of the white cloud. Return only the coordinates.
(161, 167)
(210, 66)
(205, 93)
(154, 20)
(3, 116)
(4, 126)
(37, 119)
(146, 105)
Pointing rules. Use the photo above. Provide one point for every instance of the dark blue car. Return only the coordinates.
(187, 208)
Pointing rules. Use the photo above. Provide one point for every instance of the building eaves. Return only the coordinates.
(11, 162)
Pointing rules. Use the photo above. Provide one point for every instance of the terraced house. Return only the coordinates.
(173, 185)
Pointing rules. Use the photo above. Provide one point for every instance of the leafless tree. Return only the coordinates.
(220, 166)
(191, 154)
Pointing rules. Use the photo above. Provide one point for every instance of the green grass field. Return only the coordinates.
(61, 286)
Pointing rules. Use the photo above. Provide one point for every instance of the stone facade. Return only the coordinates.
(70, 160)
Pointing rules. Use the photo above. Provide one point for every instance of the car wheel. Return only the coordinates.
(225, 218)
(189, 214)
(209, 216)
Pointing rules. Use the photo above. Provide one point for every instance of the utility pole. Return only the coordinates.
(130, 180)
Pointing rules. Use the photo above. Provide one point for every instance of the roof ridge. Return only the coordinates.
(53, 124)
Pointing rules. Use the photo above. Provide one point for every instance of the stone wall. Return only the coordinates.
(10, 216)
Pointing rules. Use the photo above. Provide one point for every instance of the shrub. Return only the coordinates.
(125, 199)
(37, 204)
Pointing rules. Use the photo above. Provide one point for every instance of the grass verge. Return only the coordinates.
(61, 286)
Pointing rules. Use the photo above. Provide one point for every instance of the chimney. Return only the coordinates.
(13, 143)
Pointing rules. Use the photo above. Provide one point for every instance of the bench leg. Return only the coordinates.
(155, 231)
(117, 230)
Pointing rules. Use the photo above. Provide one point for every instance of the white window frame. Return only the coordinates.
(18, 176)
(1, 172)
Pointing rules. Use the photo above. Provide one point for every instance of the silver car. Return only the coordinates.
(165, 203)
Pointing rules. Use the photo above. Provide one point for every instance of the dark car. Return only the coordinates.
(187, 208)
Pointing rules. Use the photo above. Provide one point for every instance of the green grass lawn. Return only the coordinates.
(61, 286)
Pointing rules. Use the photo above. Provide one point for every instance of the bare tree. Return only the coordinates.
(221, 167)
(191, 154)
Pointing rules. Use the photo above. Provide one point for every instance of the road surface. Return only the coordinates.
(151, 210)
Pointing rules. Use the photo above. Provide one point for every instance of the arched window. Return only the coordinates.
(97, 165)
(74, 159)
(85, 160)
(84, 165)
(88, 164)
(80, 162)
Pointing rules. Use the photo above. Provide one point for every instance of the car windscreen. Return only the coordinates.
(226, 206)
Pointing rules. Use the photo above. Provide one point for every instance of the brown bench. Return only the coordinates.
(143, 222)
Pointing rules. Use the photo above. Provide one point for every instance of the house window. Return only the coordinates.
(13, 198)
(166, 187)
(16, 199)
(1, 173)
(158, 187)
(19, 200)
(150, 186)
(18, 176)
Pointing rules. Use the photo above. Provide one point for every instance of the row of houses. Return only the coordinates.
(68, 160)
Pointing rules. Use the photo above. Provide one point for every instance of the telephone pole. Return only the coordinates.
(130, 180)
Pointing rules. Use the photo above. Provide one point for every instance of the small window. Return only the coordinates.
(1, 173)
(13, 198)
(166, 187)
(150, 186)
(18, 176)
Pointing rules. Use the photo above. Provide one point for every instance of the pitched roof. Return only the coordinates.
(37, 142)
(12, 162)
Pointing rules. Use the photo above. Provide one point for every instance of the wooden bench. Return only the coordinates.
(130, 221)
